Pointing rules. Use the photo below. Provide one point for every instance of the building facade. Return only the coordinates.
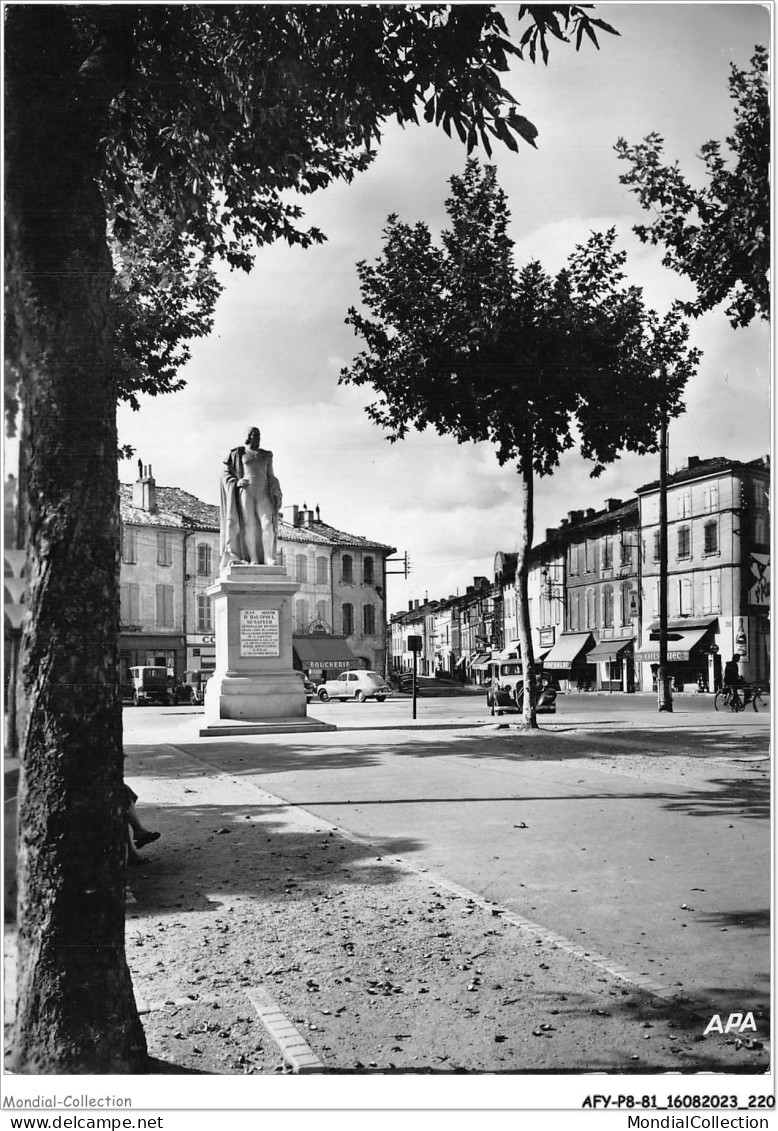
(593, 589)
(170, 557)
(718, 535)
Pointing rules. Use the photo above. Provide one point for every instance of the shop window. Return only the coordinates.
(164, 548)
(711, 533)
(684, 542)
(348, 620)
(607, 606)
(204, 559)
(301, 567)
(367, 571)
(164, 606)
(204, 617)
(368, 620)
(321, 570)
(347, 570)
(129, 545)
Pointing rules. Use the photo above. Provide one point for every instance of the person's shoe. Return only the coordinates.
(146, 838)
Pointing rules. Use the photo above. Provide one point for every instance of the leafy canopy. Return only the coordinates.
(458, 339)
(719, 235)
(214, 119)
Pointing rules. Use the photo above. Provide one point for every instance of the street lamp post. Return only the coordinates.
(664, 692)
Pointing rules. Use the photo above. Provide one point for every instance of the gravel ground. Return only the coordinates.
(378, 967)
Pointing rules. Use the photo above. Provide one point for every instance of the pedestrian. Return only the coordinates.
(733, 679)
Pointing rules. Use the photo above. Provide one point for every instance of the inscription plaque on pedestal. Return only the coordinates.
(259, 632)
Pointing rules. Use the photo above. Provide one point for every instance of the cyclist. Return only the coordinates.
(733, 679)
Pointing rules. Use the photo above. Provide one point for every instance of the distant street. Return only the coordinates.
(643, 836)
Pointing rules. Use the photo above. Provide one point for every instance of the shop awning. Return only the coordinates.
(609, 650)
(567, 649)
(679, 644)
(324, 652)
(479, 661)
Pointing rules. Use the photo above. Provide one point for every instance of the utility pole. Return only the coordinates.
(664, 692)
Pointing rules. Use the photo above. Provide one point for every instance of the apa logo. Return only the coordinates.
(736, 1022)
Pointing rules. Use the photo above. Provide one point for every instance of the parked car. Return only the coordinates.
(191, 689)
(150, 684)
(505, 689)
(359, 685)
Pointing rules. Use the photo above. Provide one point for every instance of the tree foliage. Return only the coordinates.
(459, 339)
(214, 113)
(718, 235)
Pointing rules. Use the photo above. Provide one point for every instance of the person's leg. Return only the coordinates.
(140, 833)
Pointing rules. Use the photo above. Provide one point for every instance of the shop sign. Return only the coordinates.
(547, 638)
(759, 584)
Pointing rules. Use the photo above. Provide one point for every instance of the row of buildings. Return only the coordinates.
(594, 591)
(594, 588)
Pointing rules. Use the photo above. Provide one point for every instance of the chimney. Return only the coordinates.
(410, 606)
(550, 534)
(693, 461)
(308, 518)
(590, 512)
(415, 605)
(613, 504)
(318, 513)
(144, 490)
(295, 515)
(574, 516)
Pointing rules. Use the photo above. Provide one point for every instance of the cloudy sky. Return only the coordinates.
(279, 341)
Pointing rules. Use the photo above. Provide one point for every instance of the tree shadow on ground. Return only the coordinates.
(245, 850)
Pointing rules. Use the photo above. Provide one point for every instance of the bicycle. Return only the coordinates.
(728, 697)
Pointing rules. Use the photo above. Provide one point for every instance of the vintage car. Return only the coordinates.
(150, 684)
(359, 685)
(191, 689)
(505, 688)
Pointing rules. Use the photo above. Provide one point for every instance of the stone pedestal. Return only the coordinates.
(255, 689)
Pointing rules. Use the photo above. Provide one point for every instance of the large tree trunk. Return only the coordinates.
(526, 534)
(75, 1007)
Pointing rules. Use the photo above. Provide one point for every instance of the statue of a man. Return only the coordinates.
(250, 501)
